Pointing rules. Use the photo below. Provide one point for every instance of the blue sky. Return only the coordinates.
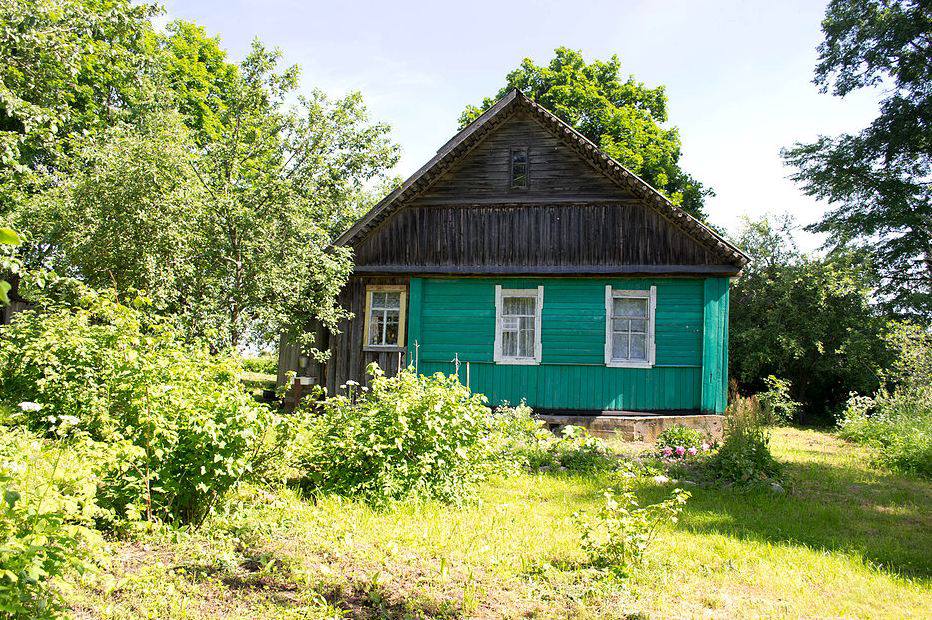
(738, 73)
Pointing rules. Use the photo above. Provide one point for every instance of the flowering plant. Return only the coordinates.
(678, 443)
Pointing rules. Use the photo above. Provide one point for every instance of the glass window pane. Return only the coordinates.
(510, 344)
(375, 328)
(393, 300)
(518, 306)
(391, 329)
(378, 299)
(630, 307)
(620, 346)
(620, 325)
(639, 325)
(639, 347)
(510, 323)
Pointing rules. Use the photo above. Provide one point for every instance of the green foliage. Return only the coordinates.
(744, 457)
(182, 428)
(618, 535)
(624, 117)
(522, 440)
(806, 319)
(678, 435)
(404, 436)
(66, 67)
(897, 422)
(211, 185)
(777, 406)
(878, 179)
(46, 519)
(8, 264)
(266, 363)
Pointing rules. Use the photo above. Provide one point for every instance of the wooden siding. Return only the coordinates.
(555, 172)
(715, 345)
(572, 237)
(456, 317)
(348, 360)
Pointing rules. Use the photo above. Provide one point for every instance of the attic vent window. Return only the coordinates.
(519, 168)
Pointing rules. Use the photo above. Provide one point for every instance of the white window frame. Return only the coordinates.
(651, 295)
(500, 293)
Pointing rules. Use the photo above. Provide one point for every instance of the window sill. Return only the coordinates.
(629, 365)
(517, 362)
(384, 348)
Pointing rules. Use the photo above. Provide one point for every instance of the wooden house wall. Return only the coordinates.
(555, 172)
(571, 237)
(348, 360)
(456, 317)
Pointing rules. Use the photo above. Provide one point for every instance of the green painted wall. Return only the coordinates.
(448, 317)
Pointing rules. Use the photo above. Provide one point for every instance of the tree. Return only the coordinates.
(878, 180)
(804, 318)
(276, 180)
(66, 67)
(124, 215)
(624, 118)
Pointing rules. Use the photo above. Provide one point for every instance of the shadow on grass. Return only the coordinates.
(886, 520)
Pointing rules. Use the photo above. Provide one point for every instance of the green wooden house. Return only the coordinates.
(537, 268)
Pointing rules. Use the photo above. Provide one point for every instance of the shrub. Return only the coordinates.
(897, 425)
(520, 439)
(744, 456)
(266, 364)
(681, 442)
(405, 436)
(183, 427)
(777, 407)
(621, 531)
(46, 513)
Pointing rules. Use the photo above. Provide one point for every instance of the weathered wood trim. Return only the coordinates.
(563, 270)
(386, 288)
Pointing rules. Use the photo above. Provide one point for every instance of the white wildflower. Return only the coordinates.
(30, 406)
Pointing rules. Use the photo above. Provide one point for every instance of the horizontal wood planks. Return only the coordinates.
(457, 318)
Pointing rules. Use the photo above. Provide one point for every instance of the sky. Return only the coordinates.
(738, 74)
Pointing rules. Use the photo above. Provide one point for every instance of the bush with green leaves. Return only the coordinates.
(897, 422)
(184, 427)
(777, 406)
(522, 439)
(744, 457)
(47, 512)
(401, 437)
(681, 442)
(618, 535)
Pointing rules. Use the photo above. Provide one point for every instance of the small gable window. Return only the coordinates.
(385, 316)
(517, 325)
(519, 168)
(629, 327)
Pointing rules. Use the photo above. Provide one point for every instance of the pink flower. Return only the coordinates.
(705, 447)
(692, 451)
(667, 451)
(680, 450)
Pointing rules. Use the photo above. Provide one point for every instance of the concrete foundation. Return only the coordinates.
(635, 426)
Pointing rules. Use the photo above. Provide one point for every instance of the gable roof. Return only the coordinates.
(472, 134)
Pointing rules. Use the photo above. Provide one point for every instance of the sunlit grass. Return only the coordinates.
(844, 540)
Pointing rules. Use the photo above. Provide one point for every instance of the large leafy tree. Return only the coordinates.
(878, 180)
(275, 180)
(805, 318)
(623, 116)
(67, 67)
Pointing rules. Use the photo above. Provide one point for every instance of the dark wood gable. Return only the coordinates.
(571, 219)
(555, 173)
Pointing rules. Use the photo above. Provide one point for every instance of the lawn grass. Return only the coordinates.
(845, 540)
